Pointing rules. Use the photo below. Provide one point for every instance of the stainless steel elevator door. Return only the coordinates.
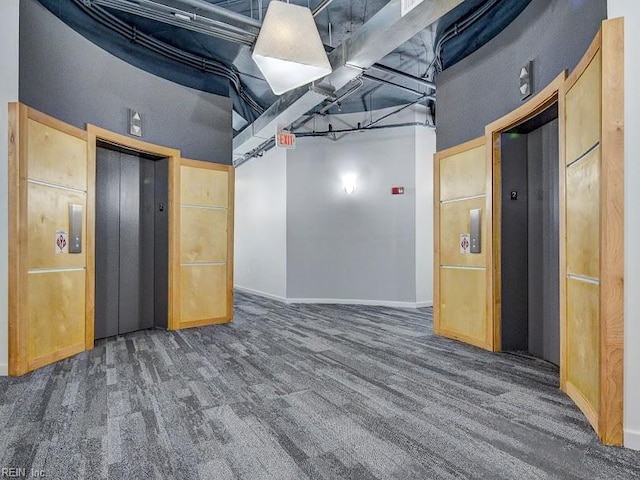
(127, 250)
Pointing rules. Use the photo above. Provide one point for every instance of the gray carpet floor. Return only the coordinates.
(297, 392)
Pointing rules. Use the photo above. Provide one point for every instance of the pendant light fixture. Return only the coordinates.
(288, 51)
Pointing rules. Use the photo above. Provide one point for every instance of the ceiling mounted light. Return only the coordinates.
(288, 51)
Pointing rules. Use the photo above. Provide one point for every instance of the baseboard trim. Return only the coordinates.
(352, 301)
(260, 293)
(4, 370)
(335, 301)
(632, 439)
(424, 304)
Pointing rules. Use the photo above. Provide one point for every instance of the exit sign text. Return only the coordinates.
(286, 140)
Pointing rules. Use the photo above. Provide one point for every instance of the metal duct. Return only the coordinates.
(384, 32)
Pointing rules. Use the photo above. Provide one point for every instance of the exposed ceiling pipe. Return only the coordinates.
(396, 85)
(179, 18)
(397, 110)
(112, 22)
(321, 6)
(399, 73)
(359, 83)
(457, 28)
(223, 12)
(362, 129)
(269, 144)
(379, 36)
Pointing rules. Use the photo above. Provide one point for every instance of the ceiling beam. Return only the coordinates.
(379, 36)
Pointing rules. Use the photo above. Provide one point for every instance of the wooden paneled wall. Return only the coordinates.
(203, 248)
(460, 180)
(592, 247)
(49, 170)
(51, 294)
(467, 294)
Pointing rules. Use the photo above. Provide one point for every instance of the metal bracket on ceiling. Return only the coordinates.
(328, 92)
(355, 67)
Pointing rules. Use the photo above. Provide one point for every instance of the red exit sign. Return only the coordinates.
(286, 140)
(397, 190)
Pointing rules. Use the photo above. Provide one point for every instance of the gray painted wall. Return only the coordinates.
(484, 86)
(68, 77)
(359, 246)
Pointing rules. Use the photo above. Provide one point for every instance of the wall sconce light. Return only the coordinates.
(289, 51)
(349, 183)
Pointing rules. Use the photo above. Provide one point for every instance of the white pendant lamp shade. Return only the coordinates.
(288, 51)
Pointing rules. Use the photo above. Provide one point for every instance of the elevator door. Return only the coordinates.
(530, 238)
(131, 243)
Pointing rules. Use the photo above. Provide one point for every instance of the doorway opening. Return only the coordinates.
(132, 240)
(530, 308)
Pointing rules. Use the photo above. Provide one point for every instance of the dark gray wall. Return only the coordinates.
(68, 77)
(484, 86)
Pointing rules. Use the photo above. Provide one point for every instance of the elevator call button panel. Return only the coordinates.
(75, 228)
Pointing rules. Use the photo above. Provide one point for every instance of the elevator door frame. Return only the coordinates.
(535, 106)
(97, 135)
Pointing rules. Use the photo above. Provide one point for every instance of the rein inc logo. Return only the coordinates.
(15, 472)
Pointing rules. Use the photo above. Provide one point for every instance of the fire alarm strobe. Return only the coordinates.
(397, 190)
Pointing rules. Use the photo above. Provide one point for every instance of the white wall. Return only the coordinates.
(630, 10)
(356, 248)
(369, 247)
(8, 93)
(425, 148)
(261, 225)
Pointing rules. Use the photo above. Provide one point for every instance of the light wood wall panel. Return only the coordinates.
(56, 315)
(48, 213)
(203, 235)
(581, 118)
(460, 279)
(463, 174)
(199, 186)
(584, 111)
(56, 157)
(463, 304)
(583, 216)
(583, 351)
(203, 293)
(592, 233)
(610, 428)
(48, 306)
(454, 220)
